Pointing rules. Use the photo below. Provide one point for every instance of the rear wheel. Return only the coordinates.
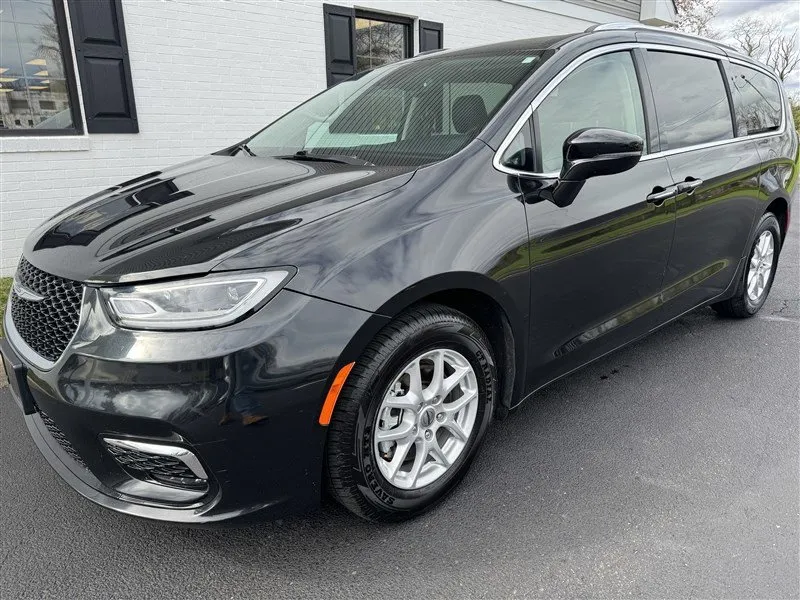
(758, 274)
(411, 415)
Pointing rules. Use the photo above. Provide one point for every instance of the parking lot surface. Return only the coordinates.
(669, 469)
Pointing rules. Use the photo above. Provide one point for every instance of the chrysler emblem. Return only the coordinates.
(26, 293)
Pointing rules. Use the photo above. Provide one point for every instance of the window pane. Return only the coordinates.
(379, 43)
(33, 91)
(756, 100)
(691, 101)
(519, 154)
(410, 113)
(603, 92)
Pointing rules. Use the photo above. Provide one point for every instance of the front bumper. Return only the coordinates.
(244, 400)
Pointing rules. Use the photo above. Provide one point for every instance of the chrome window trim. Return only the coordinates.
(566, 71)
(182, 454)
(629, 25)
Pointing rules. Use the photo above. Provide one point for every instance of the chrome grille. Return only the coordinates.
(47, 325)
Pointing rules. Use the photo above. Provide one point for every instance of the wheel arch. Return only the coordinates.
(482, 299)
(779, 207)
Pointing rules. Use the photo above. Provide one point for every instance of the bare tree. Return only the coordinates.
(768, 41)
(695, 16)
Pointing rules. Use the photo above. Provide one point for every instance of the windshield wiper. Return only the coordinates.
(334, 158)
(245, 148)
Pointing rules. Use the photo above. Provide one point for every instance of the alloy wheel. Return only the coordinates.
(426, 418)
(761, 262)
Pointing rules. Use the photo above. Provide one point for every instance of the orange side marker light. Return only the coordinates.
(333, 394)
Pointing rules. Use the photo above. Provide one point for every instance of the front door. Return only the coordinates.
(597, 265)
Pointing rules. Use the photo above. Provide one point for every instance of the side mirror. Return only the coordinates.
(591, 153)
(594, 152)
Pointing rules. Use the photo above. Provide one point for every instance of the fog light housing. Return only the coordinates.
(162, 464)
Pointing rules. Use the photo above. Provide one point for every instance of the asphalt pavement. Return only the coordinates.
(667, 470)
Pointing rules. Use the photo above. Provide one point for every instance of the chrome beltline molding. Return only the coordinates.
(616, 48)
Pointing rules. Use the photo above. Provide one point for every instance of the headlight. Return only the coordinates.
(210, 301)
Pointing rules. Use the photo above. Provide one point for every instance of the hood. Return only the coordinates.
(189, 218)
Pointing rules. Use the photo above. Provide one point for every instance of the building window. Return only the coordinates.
(381, 39)
(37, 86)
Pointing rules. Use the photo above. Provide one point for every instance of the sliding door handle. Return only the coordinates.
(661, 195)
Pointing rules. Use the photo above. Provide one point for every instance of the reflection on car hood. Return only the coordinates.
(188, 218)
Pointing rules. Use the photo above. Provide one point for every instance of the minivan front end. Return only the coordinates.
(193, 426)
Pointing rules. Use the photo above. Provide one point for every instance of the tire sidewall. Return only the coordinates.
(460, 337)
(768, 223)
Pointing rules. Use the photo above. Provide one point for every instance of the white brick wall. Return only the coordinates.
(207, 73)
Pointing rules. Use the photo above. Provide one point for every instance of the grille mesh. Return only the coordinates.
(160, 468)
(46, 326)
(59, 436)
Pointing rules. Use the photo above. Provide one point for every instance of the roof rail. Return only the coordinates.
(631, 25)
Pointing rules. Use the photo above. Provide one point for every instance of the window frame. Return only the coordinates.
(64, 40)
(650, 117)
(374, 15)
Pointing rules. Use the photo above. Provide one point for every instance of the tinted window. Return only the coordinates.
(756, 100)
(603, 92)
(691, 102)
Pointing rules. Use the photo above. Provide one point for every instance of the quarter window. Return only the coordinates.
(756, 101)
(519, 154)
(603, 92)
(691, 100)
(34, 89)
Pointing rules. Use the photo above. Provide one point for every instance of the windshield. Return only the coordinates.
(406, 114)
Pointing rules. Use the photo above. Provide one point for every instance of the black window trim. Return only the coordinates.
(375, 15)
(722, 64)
(72, 85)
(664, 47)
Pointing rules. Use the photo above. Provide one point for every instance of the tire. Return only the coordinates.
(743, 305)
(357, 464)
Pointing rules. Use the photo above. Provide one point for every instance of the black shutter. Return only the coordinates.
(431, 36)
(104, 67)
(340, 42)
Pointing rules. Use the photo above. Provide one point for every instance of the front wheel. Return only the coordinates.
(758, 274)
(411, 415)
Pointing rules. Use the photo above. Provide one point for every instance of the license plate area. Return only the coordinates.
(16, 372)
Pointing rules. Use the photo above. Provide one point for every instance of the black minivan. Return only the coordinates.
(346, 300)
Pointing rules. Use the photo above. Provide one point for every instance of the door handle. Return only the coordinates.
(662, 195)
(689, 186)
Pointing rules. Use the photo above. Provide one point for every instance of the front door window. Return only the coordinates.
(603, 92)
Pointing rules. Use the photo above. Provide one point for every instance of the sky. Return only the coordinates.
(786, 12)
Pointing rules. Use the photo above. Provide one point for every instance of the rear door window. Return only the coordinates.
(756, 101)
(691, 101)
